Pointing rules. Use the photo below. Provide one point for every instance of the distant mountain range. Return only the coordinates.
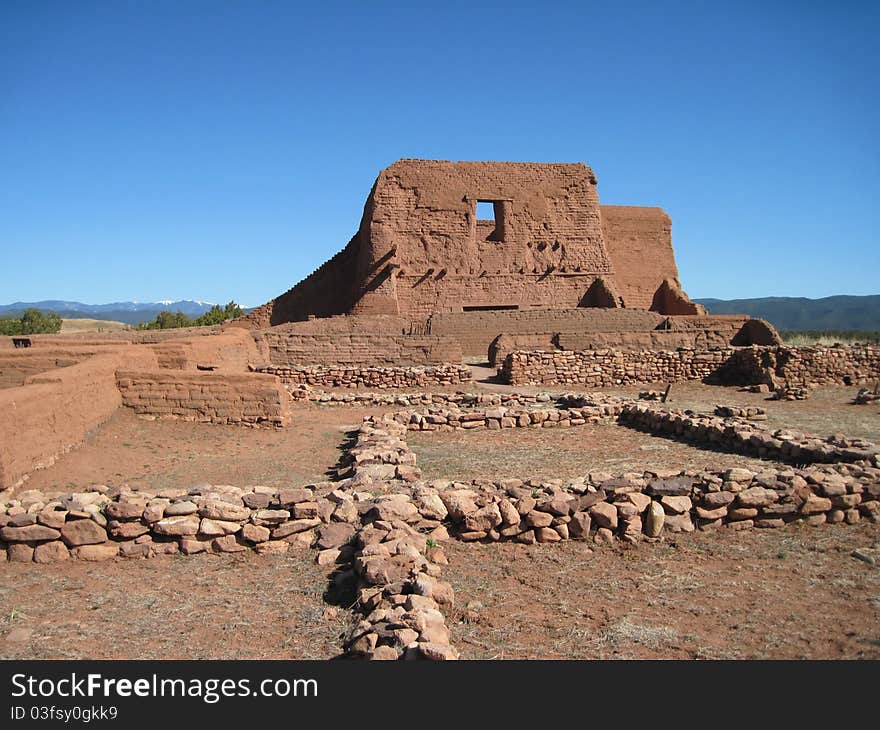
(798, 313)
(784, 313)
(128, 312)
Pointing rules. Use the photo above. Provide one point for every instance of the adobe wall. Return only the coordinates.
(54, 411)
(635, 341)
(114, 338)
(286, 348)
(639, 243)
(327, 291)
(242, 399)
(476, 330)
(232, 350)
(423, 250)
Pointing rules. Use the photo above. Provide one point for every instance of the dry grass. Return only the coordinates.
(74, 326)
(199, 607)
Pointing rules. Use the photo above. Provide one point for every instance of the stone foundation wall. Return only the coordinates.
(372, 377)
(604, 368)
(734, 366)
(250, 399)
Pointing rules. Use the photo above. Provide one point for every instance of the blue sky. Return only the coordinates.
(223, 150)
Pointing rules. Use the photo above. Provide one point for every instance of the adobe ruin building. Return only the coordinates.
(421, 248)
(545, 259)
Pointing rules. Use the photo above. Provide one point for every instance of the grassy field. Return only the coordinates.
(73, 326)
(799, 338)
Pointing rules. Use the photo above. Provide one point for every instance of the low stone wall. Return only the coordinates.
(457, 399)
(643, 508)
(287, 349)
(604, 368)
(251, 399)
(734, 366)
(742, 436)
(371, 377)
(102, 523)
(805, 366)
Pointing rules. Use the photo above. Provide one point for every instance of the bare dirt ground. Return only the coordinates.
(127, 449)
(789, 593)
(563, 453)
(199, 607)
(772, 594)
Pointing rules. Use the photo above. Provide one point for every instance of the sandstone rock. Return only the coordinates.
(227, 544)
(180, 509)
(655, 518)
(217, 528)
(270, 516)
(394, 509)
(30, 533)
(383, 653)
(192, 546)
(224, 511)
(437, 652)
(51, 552)
(677, 487)
(756, 497)
(814, 505)
(289, 497)
(509, 514)
(295, 526)
(178, 526)
(736, 514)
(272, 547)
(538, 519)
(484, 518)
(52, 518)
(125, 510)
(439, 590)
(257, 500)
(154, 512)
(96, 553)
(459, 503)
(83, 532)
(255, 533)
(131, 549)
(639, 500)
(19, 552)
(334, 535)
(604, 515)
(127, 530)
(676, 505)
(579, 527)
(546, 534)
(678, 523)
(737, 474)
(603, 536)
(558, 505)
(430, 506)
(715, 500)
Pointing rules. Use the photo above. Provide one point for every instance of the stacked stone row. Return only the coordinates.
(634, 507)
(105, 523)
(604, 368)
(459, 398)
(742, 436)
(750, 413)
(371, 377)
(776, 365)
